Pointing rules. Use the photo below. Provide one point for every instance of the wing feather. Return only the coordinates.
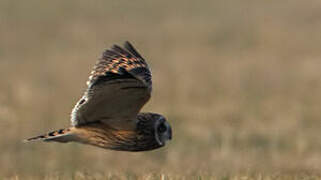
(118, 87)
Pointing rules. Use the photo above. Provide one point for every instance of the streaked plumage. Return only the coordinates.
(108, 115)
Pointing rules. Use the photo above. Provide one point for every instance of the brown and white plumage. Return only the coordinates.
(108, 115)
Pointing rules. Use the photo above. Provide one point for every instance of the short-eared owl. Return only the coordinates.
(107, 115)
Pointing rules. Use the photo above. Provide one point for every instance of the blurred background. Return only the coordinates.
(240, 82)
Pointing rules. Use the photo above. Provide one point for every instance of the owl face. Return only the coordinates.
(162, 130)
(153, 131)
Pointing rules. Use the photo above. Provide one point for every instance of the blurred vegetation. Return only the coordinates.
(240, 82)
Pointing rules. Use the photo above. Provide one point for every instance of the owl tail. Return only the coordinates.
(61, 135)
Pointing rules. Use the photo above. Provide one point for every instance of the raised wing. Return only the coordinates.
(118, 87)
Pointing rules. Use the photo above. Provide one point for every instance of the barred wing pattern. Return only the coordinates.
(118, 87)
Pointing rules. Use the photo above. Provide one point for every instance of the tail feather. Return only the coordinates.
(61, 135)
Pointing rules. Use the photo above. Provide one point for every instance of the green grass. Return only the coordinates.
(238, 80)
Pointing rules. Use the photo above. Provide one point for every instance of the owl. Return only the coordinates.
(108, 114)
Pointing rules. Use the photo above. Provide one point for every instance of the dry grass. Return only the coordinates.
(238, 80)
(155, 176)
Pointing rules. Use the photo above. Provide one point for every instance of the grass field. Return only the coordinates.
(239, 81)
(150, 176)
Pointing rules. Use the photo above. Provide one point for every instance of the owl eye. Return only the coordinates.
(161, 128)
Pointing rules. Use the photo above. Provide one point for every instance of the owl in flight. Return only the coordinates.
(107, 116)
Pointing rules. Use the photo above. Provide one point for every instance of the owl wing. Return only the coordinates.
(118, 87)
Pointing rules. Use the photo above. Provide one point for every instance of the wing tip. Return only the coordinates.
(127, 50)
(129, 47)
(119, 61)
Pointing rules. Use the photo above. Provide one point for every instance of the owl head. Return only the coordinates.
(152, 130)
